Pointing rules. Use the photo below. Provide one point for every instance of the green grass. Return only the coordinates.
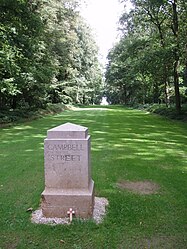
(126, 145)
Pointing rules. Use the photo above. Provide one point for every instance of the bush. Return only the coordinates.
(169, 112)
(12, 116)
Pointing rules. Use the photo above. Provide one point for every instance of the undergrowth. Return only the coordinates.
(163, 110)
(12, 116)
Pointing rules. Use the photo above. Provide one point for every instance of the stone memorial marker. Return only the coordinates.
(68, 183)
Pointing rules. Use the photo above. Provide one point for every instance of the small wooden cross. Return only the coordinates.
(70, 212)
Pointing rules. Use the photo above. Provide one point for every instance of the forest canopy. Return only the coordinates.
(47, 55)
(149, 63)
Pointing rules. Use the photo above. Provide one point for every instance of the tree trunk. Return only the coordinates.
(156, 93)
(185, 70)
(14, 102)
(124, 95)
(167, 98)
(176, 84)
(176, 56)
(165, 73)
(77, 96)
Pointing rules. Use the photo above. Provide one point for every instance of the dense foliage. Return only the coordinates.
(47, 55)
(148, 64)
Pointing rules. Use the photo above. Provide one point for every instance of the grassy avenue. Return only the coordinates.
(127, 145)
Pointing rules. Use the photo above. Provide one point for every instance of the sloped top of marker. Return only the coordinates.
(68, 130)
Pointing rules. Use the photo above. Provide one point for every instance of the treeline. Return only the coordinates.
(47, 55)
(149, 63)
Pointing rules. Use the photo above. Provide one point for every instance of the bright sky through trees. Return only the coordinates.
(103, 16)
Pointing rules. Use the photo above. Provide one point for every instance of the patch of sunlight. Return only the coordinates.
(143, 153)
(118, 145)
(153, 134)
(129, 157)
(180, 136)
(38, 136)
(182, 154)
(22, 127)
(124, 157)
(150, 126)
(5, 142)
(3, 155)
(184, 169)
(170, 143)
(92, 109)
(110, 191)
(170, 151)
(99, 132)
(9, 134)
(152, 147)
(138, 140)
(95, 149)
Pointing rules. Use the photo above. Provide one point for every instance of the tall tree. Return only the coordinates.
(47, 54)
(74, 52)
(24, 67)
(159, 23)
(175, 29)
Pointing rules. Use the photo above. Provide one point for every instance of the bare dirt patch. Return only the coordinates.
(155, 242)
(139, 187)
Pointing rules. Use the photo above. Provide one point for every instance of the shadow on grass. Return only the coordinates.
(126, 145)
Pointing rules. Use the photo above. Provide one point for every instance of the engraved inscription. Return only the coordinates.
(67, 147)
(65, 158)
(64, 152)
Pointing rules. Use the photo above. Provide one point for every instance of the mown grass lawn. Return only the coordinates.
(126, 145)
